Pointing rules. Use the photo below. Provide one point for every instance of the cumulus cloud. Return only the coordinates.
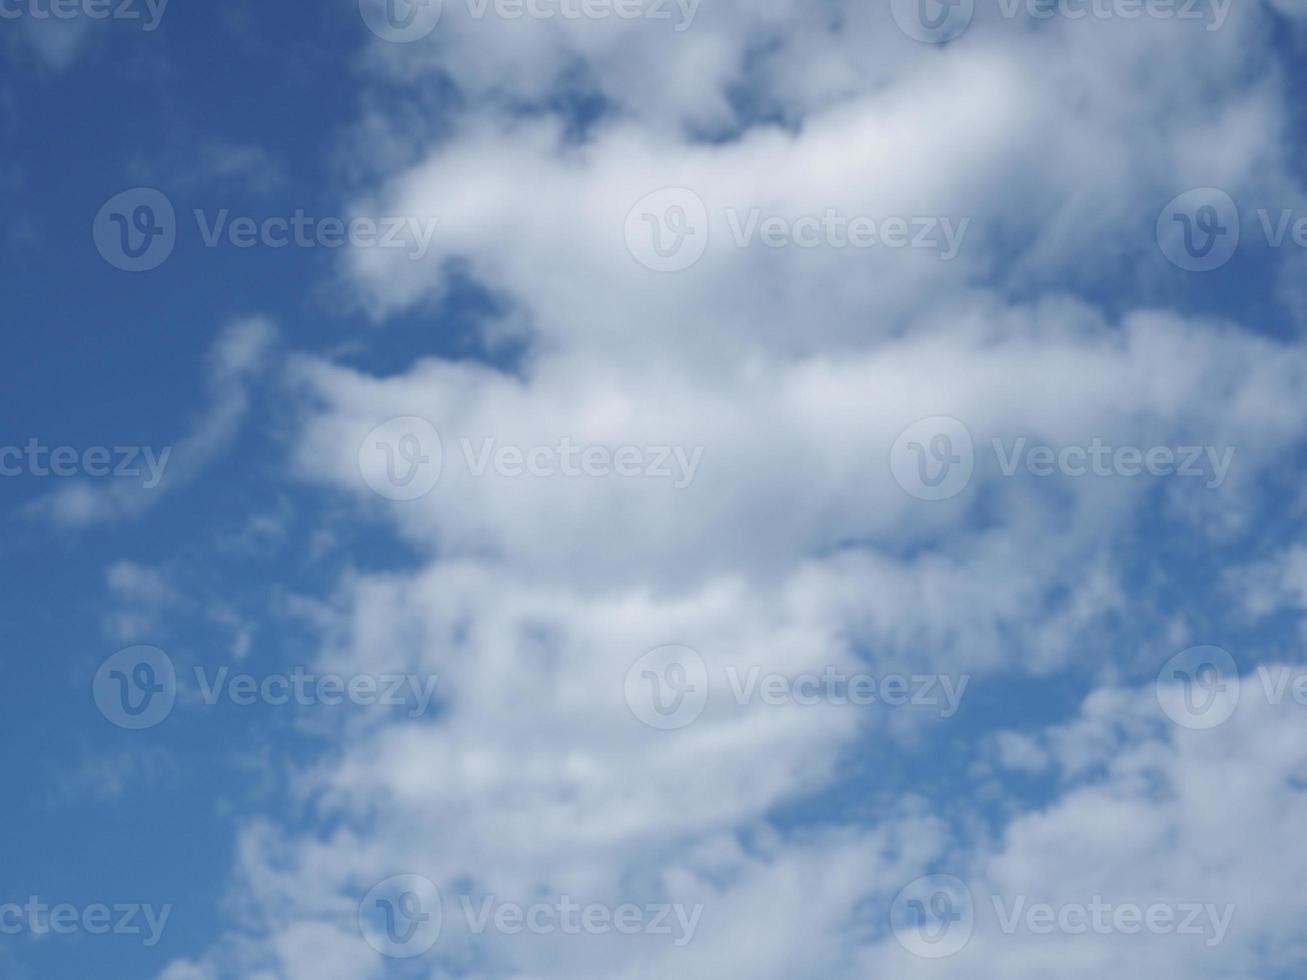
(794, 548)
(1159, 818)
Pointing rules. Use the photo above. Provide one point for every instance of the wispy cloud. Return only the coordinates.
(237, 361)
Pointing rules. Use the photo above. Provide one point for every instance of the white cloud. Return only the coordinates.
(794, 548)
(1163, 816)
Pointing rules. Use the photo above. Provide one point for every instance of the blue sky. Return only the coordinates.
(628, 416)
